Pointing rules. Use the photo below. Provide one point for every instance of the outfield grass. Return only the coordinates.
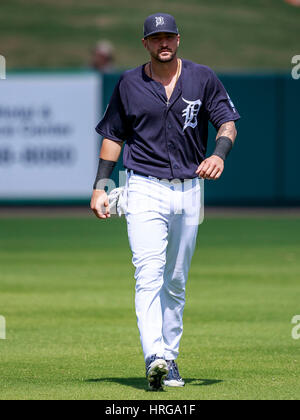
(225, 34)
(67, 292)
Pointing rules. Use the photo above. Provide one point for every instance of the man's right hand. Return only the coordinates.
(100, 204)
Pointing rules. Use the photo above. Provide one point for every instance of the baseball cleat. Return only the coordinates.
(173, 378)
(156, 371)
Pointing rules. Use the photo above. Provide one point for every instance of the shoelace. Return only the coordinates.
(149, 361)
(174, 368)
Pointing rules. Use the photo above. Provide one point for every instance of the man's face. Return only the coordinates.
(162, 46)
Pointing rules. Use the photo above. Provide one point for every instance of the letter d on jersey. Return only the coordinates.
(2, 328)
(190, 113)
(2, 67)
(296, 329)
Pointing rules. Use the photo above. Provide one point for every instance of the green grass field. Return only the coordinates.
(224, 34)
(67, 292)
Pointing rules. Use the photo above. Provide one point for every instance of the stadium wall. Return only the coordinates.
(261, 170)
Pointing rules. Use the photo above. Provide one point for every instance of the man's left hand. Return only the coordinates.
(211, 168)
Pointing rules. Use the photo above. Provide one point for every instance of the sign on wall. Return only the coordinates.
(48, 144)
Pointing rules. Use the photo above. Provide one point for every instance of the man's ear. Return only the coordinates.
(144, 41)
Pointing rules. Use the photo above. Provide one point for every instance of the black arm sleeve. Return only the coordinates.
(104, 172)
(223, 147)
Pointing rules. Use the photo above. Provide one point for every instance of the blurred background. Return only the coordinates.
(63, 59)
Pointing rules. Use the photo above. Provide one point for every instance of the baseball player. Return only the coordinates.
(160, 111)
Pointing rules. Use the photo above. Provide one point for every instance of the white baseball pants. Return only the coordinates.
(162, 221)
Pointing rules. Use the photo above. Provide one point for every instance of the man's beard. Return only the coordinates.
(164, 60)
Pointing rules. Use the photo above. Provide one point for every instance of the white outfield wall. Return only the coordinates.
(48, 143)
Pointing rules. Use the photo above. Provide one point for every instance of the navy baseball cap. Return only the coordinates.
(160, 22)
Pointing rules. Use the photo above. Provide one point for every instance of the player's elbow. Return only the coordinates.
(235, 133)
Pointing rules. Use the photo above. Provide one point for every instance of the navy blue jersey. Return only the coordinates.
(166, 140)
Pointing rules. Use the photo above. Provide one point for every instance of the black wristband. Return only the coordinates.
(223, 147)
(105, 169)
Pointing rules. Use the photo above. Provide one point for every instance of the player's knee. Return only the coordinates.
(175, 285)
(149, 277)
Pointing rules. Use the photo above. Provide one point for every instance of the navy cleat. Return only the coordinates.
(173, 378)
(156, 371)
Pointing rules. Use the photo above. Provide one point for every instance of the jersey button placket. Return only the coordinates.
(170, 147)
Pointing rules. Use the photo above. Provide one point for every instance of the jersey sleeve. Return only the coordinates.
(113, 124)
(218, 103)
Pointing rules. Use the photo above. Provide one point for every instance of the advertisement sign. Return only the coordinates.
(48, 143)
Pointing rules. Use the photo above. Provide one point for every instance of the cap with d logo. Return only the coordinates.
(160, 22)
